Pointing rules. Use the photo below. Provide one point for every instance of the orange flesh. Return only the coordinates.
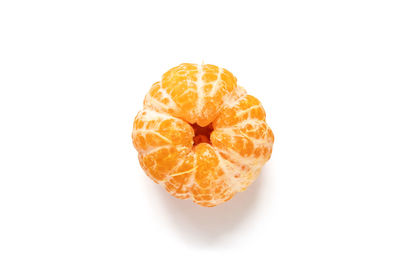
(201, 136)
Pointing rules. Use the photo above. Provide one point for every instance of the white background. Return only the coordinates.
(73, 74)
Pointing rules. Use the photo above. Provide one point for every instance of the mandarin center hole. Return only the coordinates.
(202, 134)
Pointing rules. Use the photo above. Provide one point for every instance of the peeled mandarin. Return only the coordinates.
(200, 135)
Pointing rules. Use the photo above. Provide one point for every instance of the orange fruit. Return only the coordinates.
(200, 135)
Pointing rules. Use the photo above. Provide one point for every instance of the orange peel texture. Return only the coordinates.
(200, 135)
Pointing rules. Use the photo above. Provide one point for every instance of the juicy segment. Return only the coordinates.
(208, 171)
(193, 92)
